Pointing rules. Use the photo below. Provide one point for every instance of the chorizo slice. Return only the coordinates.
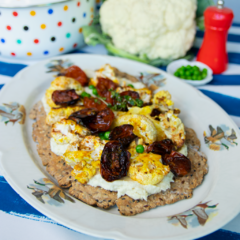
(87, 114)
(65, 97)
(161, 147)
(132, 94)
(179, 164)
(78, 74)
(123, 134)
(102, 122)
(115, 161)
(96, 121)
(104, 86)
(94, 103)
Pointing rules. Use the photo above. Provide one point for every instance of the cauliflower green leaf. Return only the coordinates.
(201, 7)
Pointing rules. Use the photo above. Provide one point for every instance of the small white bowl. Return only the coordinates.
(173, 66)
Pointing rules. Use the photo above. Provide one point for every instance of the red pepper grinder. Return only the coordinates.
(213, 52)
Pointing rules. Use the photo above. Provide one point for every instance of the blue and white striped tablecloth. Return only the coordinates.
(19, 219)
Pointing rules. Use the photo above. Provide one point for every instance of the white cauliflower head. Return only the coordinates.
(158, 28)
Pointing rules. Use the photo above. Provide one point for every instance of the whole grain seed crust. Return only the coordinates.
(181, 188)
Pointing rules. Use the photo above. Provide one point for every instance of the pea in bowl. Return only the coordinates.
(194, 73)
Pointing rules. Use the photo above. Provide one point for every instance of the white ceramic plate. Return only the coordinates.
(173, 66)
(21, 165)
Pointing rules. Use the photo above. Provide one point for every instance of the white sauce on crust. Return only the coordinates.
(135, 190)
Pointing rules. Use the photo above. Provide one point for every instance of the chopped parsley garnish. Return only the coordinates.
(123, 101)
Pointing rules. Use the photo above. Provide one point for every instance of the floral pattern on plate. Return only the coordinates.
(152, 80)
(53, 194)
(58, 66)
(12, 112)
(220, 138)
(199, 215)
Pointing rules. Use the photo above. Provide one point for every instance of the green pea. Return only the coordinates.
(181, 72)
(196, 73)
(84, 94)
(139, 148)
(194, 77)
(130, 85)
(101, 135)
(106, 135)
(189, 67)
(204, 70)
(92, 87)
(176, 74)
(191, 71)
(196, 68)
(95, 92)
(199, 78)
(204, 75)
(188, 73)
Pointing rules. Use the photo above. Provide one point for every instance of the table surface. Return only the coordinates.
(18, 218)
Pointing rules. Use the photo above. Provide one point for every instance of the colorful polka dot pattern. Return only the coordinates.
(44, 24)
(50, 11)
(32, 13)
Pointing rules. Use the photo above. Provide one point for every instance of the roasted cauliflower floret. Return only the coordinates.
(107, 71)
(142, 126)
(75, 157)
(57, 114)
(86, 161)
(143, 111)
(146, 169)
(172, 127)
(163, 100)
(90, 148)
(75, 146)
(84, 170)
(62, 83)
(167, 124)
(90, 143)
(67, 131)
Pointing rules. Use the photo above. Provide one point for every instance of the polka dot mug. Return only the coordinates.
(44, 31)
